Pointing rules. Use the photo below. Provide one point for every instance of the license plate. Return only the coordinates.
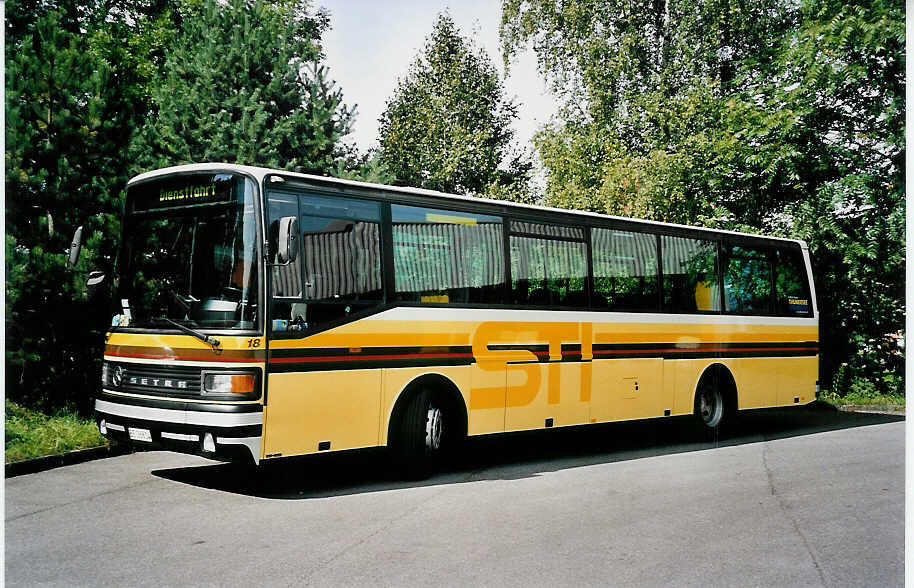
(139, 434)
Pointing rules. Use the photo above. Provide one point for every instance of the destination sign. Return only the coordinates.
(188, 194)
(182, 191)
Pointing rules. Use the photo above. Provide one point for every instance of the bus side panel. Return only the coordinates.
(629, 389)
(797, 379)
(487, 398)
(307, 408)
(685, 373)
(757, 382)
(558, 395)
(397, 379)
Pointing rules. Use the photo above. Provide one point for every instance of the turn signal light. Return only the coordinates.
(243, 384)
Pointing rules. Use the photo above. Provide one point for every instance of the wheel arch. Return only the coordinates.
(442, 388)
(722, 377)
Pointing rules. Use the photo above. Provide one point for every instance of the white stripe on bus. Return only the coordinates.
(576, 316)
(182, 417)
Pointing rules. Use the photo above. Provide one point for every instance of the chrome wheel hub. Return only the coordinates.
(433, 425)
(711, 407)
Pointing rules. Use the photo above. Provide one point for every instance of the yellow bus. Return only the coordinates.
(262, 314)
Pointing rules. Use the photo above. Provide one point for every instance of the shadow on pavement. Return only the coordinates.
(513, 456)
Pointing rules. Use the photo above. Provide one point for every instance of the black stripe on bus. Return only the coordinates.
(364, 364)
(279, 354)
(326, 359)
(315, 359)
(573, 352)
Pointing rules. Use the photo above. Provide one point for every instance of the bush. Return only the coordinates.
(875, 370)
(31, 434)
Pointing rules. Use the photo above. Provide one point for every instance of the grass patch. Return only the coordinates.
(30, 433)
(857, 399)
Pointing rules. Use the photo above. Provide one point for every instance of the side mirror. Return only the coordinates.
(75, 247)
(95, 278)
(287, 243)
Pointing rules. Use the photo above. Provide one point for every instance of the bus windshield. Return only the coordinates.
(190, 254)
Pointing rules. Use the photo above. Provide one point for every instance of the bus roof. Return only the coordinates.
(261, 172)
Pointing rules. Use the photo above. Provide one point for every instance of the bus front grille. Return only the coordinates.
(158, 380)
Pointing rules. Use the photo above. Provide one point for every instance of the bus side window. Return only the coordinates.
(285, 279)
(689, 275)
(791, 290)
(747, 281)
(447, 257)
(548, 265)
(548, 272)
(624, 270)
(341, 258)
(338, 270)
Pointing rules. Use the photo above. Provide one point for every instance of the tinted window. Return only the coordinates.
(690, 275)
(334, 207)
(790, 283)
(442, 256)
(545, 230)
(286, 279)
(747, 281)
(338, 271)
(191, 254)
(548, 272)
(624, 270)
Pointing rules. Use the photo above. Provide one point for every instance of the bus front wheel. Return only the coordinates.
(421, 435)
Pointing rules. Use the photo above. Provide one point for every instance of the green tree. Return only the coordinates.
(772, 117)
(613, 62)
(646, 89)
(71, 105)
(448, 125)
(363, 167)
(843, 72)
(242, 84)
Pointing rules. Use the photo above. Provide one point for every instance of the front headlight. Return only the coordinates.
(240, 385)
(104, 374)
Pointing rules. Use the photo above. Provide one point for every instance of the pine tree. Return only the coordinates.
(243, 84)
(68, 120)
(448, 125)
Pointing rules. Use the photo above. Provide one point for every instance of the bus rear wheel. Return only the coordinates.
(715, 405)
(710, 405)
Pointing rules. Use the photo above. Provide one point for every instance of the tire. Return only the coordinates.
(421, 438)
(709, 405)
(714, 409)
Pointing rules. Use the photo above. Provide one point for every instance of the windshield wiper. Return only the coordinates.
(185, 304)
(202, 336)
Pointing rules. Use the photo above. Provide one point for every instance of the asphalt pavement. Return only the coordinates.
(796, 497)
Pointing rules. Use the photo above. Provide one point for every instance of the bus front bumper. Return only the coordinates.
(229, 432)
